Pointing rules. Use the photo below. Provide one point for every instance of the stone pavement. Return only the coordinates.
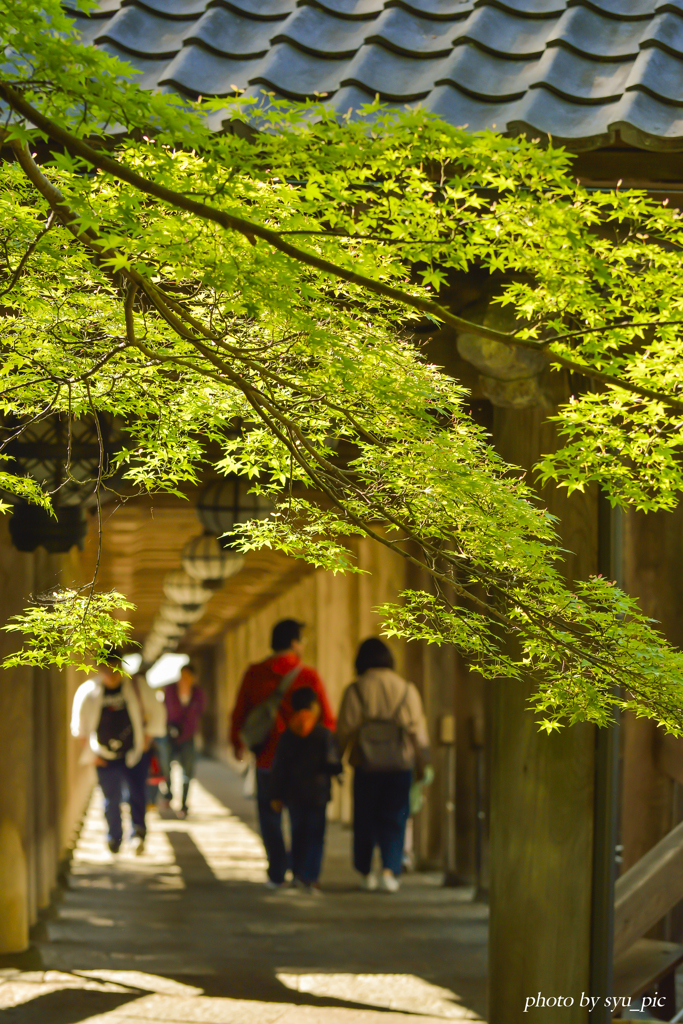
(188, 934)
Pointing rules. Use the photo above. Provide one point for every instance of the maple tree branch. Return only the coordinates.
(252, 230)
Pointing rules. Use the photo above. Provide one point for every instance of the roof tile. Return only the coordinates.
(586, 32)
(139, 32)
(485, 77)
(413, 36)
(645, 122)
(398, 78)
(181, 10)
(198, 72)
(666, 31)
(659, 74)
(314, 31)
(577, 78)
(298, 75)
(231, 35)
(149, 70)
(579, 70)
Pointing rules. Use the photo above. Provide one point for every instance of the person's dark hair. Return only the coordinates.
(303, 697)
(190, 667)
(373, 653)
(284, 632)
(113, 658)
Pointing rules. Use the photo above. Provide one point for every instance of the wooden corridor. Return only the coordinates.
(188, 934)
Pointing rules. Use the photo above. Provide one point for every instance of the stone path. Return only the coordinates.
(188, 934)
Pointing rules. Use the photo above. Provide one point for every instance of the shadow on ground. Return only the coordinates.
(192, 920)
(64, 1006)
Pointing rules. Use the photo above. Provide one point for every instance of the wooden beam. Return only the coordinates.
(648, 890)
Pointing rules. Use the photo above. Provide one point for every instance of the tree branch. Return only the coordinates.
(251, 230)
(27, 255)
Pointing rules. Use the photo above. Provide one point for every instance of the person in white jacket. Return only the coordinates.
(117, 718)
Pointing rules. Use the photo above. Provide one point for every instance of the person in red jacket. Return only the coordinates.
(259, 681)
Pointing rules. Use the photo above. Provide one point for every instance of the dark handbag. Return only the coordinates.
(380, 741)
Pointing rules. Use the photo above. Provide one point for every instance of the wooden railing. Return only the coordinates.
(648, 890)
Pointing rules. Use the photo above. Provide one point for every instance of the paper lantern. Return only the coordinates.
(185, 590)
(205, 559)
(225, 503)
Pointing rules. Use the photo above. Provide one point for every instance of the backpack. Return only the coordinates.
(380, 741)
(258, 724)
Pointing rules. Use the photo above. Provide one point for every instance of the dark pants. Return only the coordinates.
(380, 813)
(270, 822)
(118, 783)
(184, 755)
(308, 840)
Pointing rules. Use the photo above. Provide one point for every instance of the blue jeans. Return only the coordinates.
(270, 822)
(118, 782)
(183, 754)
(308, 840)
(380, 813)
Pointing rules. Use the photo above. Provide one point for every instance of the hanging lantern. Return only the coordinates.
(156, 643)
(167, 630)
(63, 455)
(185, 590)
(225, 503)
(32, 525)
(205, 559)
(151, 651)
(178, 613)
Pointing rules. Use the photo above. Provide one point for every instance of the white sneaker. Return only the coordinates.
(368, 882)
(389, 882)
(138, 845)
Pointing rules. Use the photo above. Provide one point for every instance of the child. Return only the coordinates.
(305, 760)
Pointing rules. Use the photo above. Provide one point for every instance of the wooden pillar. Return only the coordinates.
(652, 572)
(47, 575)
(541, 841)
(60, 714)
(541, 802)
(16, 698)
(33, 746)
(471, 795)
(16, 735)
(42, 838)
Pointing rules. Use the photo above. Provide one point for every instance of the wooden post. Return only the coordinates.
(541, 804)
(16, 735)
(606, 799)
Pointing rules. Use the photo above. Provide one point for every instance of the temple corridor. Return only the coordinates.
(187, 934)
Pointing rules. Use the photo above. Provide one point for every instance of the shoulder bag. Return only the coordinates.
(257, 725)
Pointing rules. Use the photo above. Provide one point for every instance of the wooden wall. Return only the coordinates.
(43, 789)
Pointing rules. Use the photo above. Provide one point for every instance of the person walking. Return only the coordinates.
(266, 691)
(301, 779)
(382, 723)
(116, 719)
(185, 702)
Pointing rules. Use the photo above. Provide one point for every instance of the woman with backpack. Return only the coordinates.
(382, 722)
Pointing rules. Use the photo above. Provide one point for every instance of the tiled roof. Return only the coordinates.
(584, 71)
